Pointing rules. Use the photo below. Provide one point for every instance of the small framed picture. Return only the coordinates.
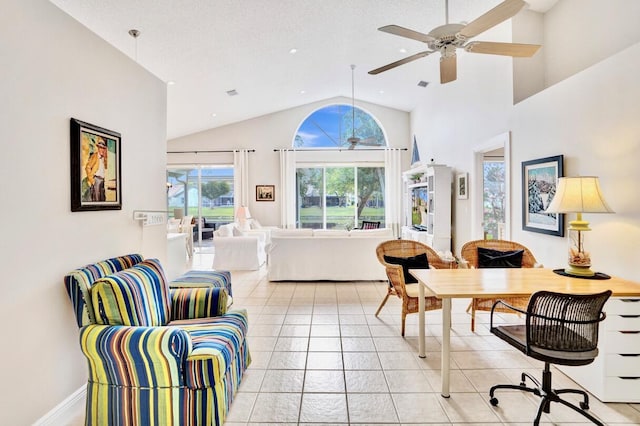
(95, 168)
(265, 193)
(462, 186)
(539, 183)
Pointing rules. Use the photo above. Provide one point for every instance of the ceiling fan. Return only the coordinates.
(449, 37)
(354, 140)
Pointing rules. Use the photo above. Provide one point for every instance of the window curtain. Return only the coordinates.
(393, 190)
(240, 178)
(288, 188)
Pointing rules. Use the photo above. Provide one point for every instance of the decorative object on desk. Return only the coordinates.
(242, 214)
(462, 186)
(539, 183)
(579, 195)
(265, 193)
(95, 168)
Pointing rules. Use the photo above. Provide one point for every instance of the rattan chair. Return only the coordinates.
(559, 329)
(469, 253)
(397, 286)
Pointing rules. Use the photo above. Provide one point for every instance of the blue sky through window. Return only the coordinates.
(329, 127)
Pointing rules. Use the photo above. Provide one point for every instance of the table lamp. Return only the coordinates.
(242, 214)
(578, 195)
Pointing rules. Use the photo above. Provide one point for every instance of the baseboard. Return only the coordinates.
(62, 413)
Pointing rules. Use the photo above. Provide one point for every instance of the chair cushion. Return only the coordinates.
(137, 296)
(419, 261)
(489, 258)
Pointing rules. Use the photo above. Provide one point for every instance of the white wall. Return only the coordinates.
(579, 33)
(277, 130)
(588, 117)
(591, 118)
(53, 69)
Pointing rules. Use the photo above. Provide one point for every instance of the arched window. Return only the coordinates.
(333, 125)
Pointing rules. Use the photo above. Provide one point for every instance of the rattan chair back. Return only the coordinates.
(469, 251)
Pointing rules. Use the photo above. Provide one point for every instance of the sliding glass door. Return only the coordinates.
(339, 197)
(204, 192)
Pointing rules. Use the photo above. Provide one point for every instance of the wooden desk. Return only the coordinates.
(447, 284)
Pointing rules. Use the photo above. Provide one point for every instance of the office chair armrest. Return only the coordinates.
(508, 306)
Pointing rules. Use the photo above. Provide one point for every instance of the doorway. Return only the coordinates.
(491, 209)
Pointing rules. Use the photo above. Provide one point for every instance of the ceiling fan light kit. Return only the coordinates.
(449, 37)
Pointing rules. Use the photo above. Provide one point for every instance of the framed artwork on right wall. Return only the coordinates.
(539, 184)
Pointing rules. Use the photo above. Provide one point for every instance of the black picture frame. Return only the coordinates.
(265, 193)
(539, 183)
(96, 184)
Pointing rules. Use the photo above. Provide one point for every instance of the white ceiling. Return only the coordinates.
(209, 47)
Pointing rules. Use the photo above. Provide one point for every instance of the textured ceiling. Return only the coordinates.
(209, 47)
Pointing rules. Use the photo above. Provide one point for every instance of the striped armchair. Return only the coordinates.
(156, 355)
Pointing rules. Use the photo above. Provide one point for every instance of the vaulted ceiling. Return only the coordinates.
(206, 48)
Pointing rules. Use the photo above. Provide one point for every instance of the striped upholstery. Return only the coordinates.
(135, 296)
(204, 279)
(168, 357)
(78, 284)
(197, 303)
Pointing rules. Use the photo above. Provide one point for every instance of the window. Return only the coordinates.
(339, 197)
(331, 126)
(493, 198)
(202, 192)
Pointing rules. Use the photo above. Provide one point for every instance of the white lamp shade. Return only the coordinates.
(580, 194)
(243, 213)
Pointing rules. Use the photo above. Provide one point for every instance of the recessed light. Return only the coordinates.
(302, 92)
(214, 114)
(170, 83)
(381, 92)
(293, 51)
(403, 50)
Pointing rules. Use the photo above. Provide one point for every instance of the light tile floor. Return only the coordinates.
(321, 357)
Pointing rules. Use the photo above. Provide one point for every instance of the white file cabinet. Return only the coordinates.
(614, 376)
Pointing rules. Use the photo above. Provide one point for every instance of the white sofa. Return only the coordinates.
(238, 250)
(319, 255)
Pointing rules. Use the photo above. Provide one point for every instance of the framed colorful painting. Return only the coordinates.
(539, 184)
(96, 182)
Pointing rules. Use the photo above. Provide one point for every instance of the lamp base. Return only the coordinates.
(595, 276)
(581, 271)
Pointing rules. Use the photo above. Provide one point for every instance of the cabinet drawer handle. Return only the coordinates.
(629, 316)
(629, 355)
(630, 332)
(629, 377)
(629, 300)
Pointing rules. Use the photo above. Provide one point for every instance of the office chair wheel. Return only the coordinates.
(584, 405)
(494, 401)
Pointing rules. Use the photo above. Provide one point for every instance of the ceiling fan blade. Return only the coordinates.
(406, 32)
(507, 49)
(400, 62)
(448, 69)
(498, 14)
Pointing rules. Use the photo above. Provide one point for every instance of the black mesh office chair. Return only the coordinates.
(559, 329)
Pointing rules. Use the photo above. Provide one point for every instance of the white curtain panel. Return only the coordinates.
(240, 178)
(393, 190)
(288, 188)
